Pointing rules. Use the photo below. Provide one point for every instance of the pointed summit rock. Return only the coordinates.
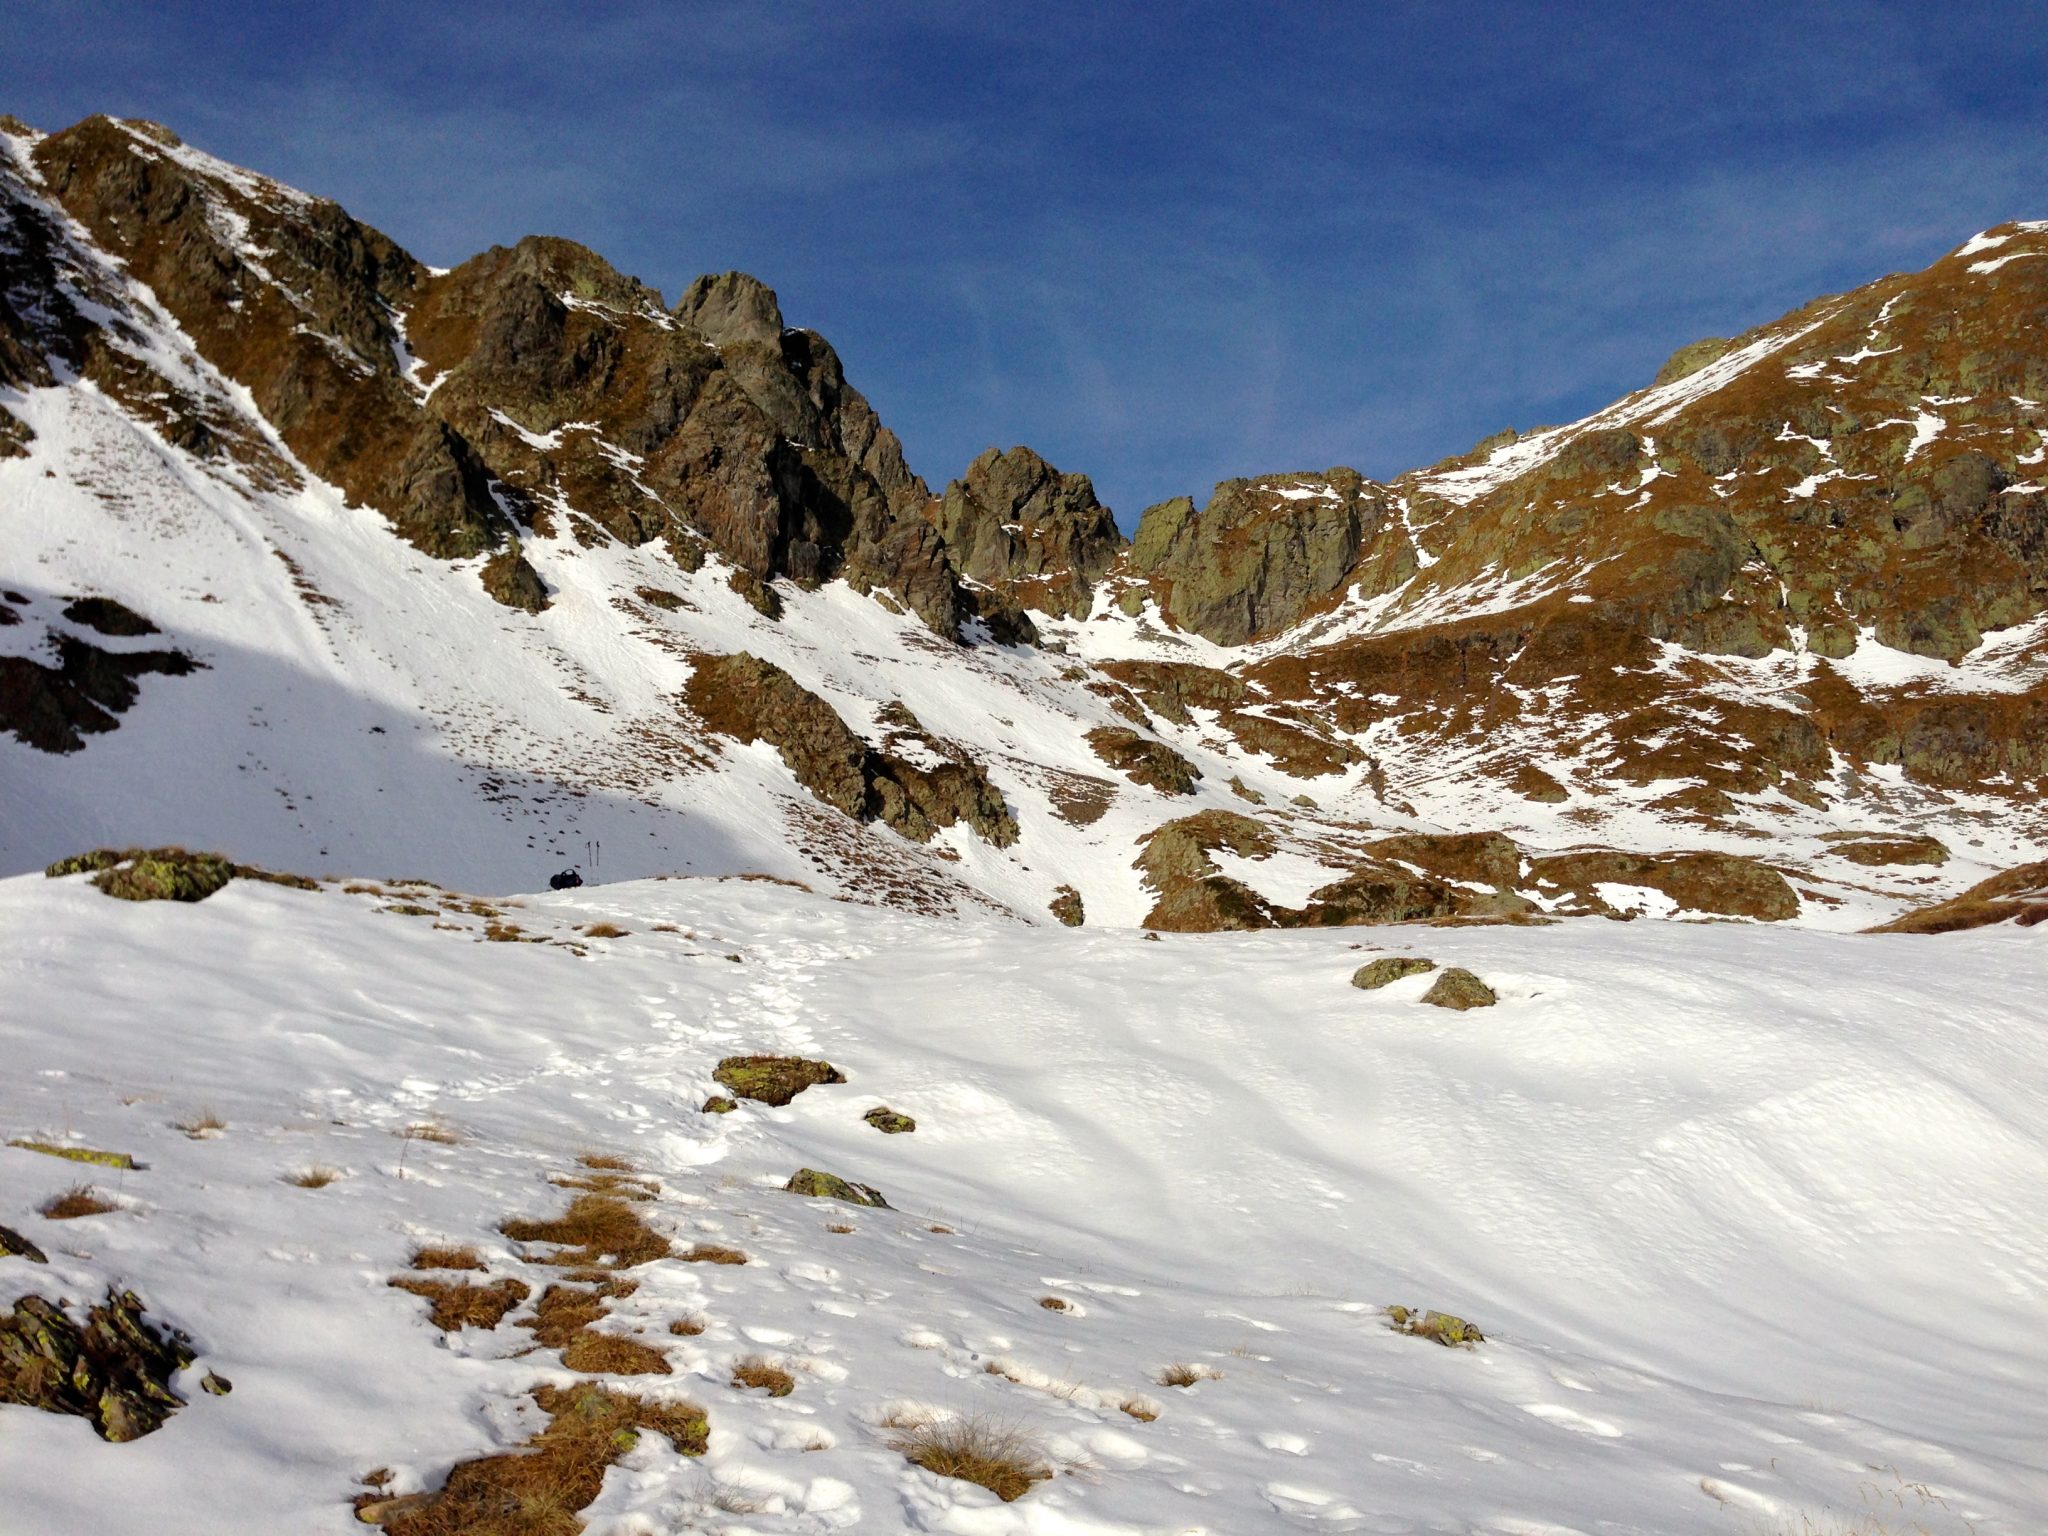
(1016, 524)
(731, 308)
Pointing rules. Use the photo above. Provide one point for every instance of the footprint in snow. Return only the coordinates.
(1292, 1445)
(1567, 1418)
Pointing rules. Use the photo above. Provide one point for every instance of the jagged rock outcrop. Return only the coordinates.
(748, 699)
(54, 708)
(113, 1370)
(1016, 524)
(1143, 760)
(1264, 552)
(713, 417)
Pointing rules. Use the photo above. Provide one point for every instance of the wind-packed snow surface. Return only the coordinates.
(1752, 1219)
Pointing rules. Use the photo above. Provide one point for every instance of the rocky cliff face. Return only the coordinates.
(1792, 598)
(1015, 524)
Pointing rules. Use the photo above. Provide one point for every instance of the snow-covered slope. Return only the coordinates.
(1750, 1218)
(352, 699)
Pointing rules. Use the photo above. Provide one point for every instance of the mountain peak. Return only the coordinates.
(732, 308)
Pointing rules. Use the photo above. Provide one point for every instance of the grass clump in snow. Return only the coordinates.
(1055, 1304)
(773, 1080)
(319, 1176)
(440, 1135)
(754, 1371)
(538, 1489)
(201, 1126)
(687, 1327)
(1143, 1409)
(1438, 1327)
(78, 1154)
(562, 1318)
(79, 1200)
(713, 1253)
(459, 1304)
(595, 1227)
(606, 931)
(446, 1256)
(1182, 1374)
(999, 1456)
(612, 1354)
(607, 1161)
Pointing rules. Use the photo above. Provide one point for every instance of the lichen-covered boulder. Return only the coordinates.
(888, 1121)
(1389, 969)
(773, 1080)
(150, 874)
(1458, 988)
(829, 1186)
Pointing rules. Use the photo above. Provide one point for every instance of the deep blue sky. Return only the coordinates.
(1163, 244)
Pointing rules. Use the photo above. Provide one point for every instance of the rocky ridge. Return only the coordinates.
(1793, 591)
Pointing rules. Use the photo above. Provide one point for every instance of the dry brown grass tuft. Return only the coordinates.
(563, 1312)
(595, 1226)
(839, 1227)
(461, 1304)
(446, 1257)
(625, 1186)
(200, 1126)
(1055, 1304)
(1184, 1375)
(78, 1200)
(687, 1327)
(319, 1176)
(537, 1490)
(606, 931)
(754, 1371)
(611, 1354)
(713, 1253)
(1000, 1457)
(441, 1135)
(608, 1161)
(1141, 1409)
(943, 1231)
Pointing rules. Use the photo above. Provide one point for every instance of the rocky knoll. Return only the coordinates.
(1430, 877)
(747, 700)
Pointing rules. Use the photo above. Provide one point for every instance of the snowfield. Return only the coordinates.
(1752, 1219)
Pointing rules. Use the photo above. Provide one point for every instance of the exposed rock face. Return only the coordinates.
(713, 417)
(1263, 552)
(748, 699)
(1016, 524)
(1720, 884)
(2017, 896)
(55, 708)
(293, 299)
(1066, 906)
(1144, 761)
(513, 582)
(1194, 895)
(113, 1371)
